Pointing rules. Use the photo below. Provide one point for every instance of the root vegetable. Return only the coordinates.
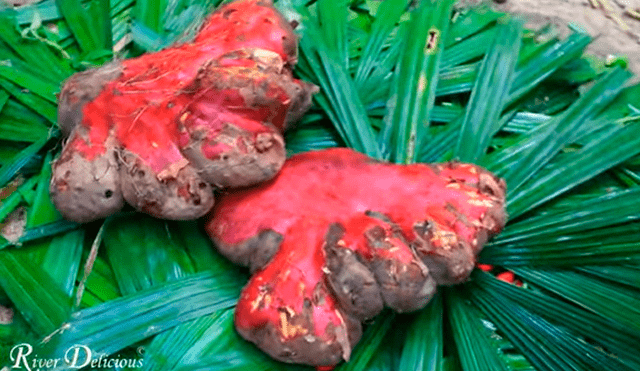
(84, 188)
(160, 130)
(336, 236)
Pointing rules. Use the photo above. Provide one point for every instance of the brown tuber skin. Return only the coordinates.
(337, 236)
(162, 130)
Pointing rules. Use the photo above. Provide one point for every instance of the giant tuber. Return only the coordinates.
(336, 236)
(160, 130)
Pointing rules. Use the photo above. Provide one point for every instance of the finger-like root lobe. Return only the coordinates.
(85, 189)
(289, 312)
(355, 235)
(210, 110)
(177, 195)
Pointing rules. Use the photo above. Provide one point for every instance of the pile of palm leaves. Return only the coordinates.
(416, 81)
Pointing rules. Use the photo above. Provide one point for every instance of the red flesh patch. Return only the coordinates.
(339, 184)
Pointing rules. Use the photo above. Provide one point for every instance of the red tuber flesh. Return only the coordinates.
(336, 236)
(159, 130)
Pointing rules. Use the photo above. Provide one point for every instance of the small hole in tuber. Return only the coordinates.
(227, 13)
(286, 353)
(202, 185)
(108, 193)
(141, 173)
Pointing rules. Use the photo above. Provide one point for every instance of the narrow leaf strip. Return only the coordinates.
(628, 275)
(4, 98)
(11, 169)
(33, 292)
(596, 157)
(332, 16)
(46, 230)
(545, 64)
(416, 80)
(423, 349)
(471, 338)
(109, 327)
(32, 101)
(43, 211)
(208, 343)
(27, 80)
(100, 285)
(612, 245)
(387, 16)
(458, 79)
(338, 94)
(520, 162)
(148, 243)
(371, 341)
(468, 49)
(614, 336)
(546, 346)
(12, 201)
(62, 260)
(91, 24)
(597, 212)
(490, 93)
(468, 21)
(616, 303)
(151, 14)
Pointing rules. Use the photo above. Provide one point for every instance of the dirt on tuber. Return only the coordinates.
(336, 236)
(160, 131)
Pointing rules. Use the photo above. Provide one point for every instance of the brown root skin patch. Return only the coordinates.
(13, 226)
(84, 190)
(176, 196)
(255, 252)
(6, 315)
(210, 110)
(356, 235)
(353, 284)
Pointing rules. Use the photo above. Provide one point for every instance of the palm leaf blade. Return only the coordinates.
(415, 81)
(489, 96)
(114, 325)
(423, 349)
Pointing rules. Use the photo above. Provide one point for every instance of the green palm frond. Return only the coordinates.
(400, 80)
(415, 80)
